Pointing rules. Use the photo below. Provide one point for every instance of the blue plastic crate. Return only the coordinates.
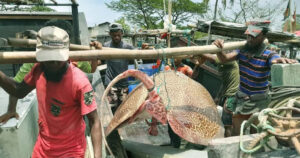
(146, 68)
(131, 87)
(149, 72)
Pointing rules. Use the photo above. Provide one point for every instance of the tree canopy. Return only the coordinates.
(149, 14)
(37, 8)
(125, 26)
(245, 10)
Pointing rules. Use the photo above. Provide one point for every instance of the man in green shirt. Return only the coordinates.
(230, 84)
(85, 66)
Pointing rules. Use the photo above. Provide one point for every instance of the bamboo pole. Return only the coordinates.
(161, 31)
(29, 56)
(31, 43)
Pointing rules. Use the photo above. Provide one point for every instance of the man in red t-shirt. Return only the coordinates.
(180, 67)
(64, 96)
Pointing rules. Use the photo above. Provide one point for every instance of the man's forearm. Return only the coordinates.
(97, 138)
(12, 103)
(94, 65)
(8, 84)
(210, 57)
(14, 88)
(222, 57)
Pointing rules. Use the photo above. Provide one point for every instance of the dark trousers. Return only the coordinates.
(175, 139)
(114, 142)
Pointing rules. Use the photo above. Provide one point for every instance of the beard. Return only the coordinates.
(253, 49)
(55, 76)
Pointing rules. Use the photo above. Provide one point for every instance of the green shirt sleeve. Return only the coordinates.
(24, 70)
(85, 66)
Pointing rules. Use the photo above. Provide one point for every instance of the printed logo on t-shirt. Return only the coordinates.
(88, 97)
(55, 109)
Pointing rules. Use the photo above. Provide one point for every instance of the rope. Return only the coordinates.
(263, 120)
(164, 61)
(173, 64)
(280, 97)
(249, 151)
(265, 127)
(169, 100)
(188, 36)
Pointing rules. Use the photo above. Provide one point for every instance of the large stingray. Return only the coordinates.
(191, 112)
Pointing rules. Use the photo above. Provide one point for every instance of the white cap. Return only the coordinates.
(52, 44)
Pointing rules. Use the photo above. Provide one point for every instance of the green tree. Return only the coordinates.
(17, 5)
(254, 9)
(26, 8)
(40, 9)
(149, 14)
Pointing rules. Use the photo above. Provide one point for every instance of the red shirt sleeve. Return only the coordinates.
(167, 68)
(87, 99)
(31, 77)
(189, 71)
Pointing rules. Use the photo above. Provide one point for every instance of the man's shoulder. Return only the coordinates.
(270, 53)
(107, 44)
(127, 46)
(267, 52)
(36, 68)
(186, 67)
(79, 77)
(76, 71)
(124, 45)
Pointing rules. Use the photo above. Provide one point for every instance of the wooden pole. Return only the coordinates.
(29, 57)
(16, 42)
(161, 31)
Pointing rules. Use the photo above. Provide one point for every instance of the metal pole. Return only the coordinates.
(75, 23)
(291, 15)
(291, 52)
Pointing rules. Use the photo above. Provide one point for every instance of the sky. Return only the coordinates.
(96, 11)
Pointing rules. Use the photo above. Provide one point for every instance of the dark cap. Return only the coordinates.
(115, 27)
(255, 27)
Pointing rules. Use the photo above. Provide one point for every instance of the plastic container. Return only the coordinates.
(149, 69)
(131, 87)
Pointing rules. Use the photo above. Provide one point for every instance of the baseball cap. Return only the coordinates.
(52, 44)
(255, 27)
(115, 27)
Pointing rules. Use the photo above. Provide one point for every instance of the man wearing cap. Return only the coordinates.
(116, 66)
(254, 65)
(120, 89)
(85, 66)
(64, 96)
